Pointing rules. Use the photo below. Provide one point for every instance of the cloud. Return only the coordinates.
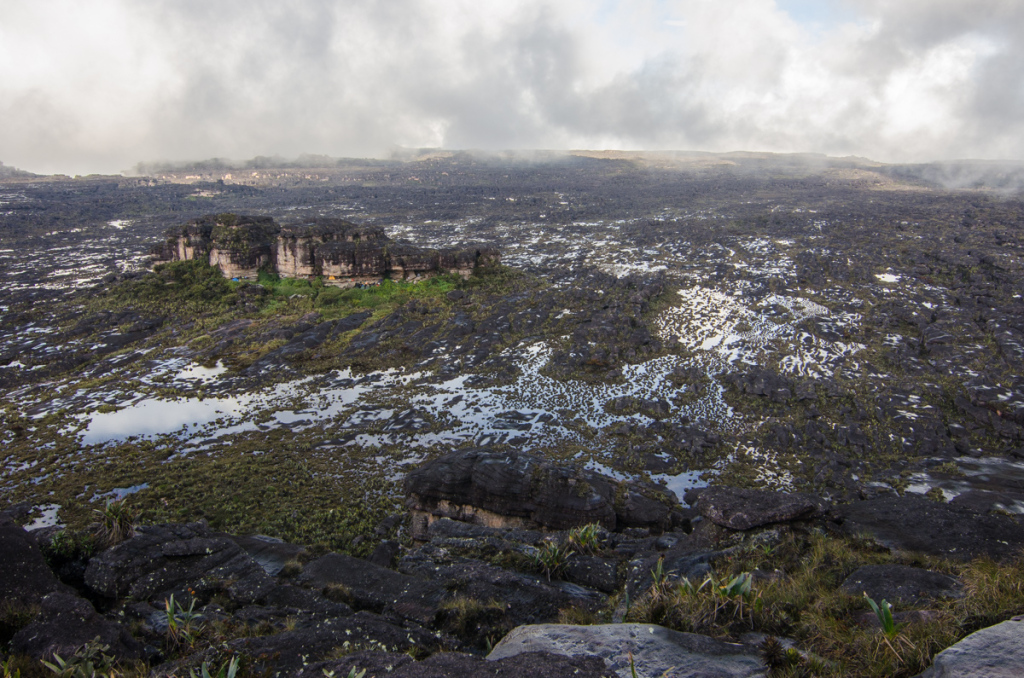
(99, 86)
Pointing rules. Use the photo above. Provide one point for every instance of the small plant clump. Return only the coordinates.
(585, 539)
(551, 559)
(89, 661)
(117, 522)
(184, 626)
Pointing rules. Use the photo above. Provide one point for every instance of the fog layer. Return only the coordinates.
(98, 86)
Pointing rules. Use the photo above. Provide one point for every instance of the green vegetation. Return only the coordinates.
(551, 559)
(89, 661)
(801, 599)
(117, 522)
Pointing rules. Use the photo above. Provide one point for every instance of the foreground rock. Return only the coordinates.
(740, 509)
(452, 664)
(937, 529)
(375, 588)
(995, 652)
(165, 559)
(67, 622)
(517, 490)
(901, 584)
(26, 576)
(656, 650)
(287, 652)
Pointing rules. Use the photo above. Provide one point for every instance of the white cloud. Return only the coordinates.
(98, 86)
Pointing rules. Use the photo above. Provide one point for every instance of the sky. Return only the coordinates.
(99, 86)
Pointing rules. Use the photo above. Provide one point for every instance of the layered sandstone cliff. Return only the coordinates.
(343, 253)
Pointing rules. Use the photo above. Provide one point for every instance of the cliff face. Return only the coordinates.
(342, 252)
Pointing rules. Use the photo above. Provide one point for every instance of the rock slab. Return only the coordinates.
(901, 584)
(656, 649)
(740, 509)
(498, 489)
(918, 524)
(995, 652)
(26, 576)
(67, 622)
(162, 559)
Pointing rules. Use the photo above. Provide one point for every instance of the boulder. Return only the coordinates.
(740, 509)
(164, 559)
(517, 490)
(375, 588)
(656, 650)
(65, 623)
(287, 652)
(594, 572)
(269, 553)
(937, 529)
(901, 584)
(26, 576)
(685, 560)
(457, 665)
(526, 599)
(994, 652)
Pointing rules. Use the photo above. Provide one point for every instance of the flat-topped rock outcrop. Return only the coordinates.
(341, 252)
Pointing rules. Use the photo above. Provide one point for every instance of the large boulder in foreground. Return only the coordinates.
(375, 588)
(518, 490)
(165, 559)
(913, 523)
(901, 584)
(287, 652)
(656, 650)
(995, 652)
(741, 509)
(65, 623)
(450, 664)
(26, 578)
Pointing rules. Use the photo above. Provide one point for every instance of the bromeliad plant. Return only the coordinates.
(585, 539)
(117, 522)
(89, 661)
(227, 670)
(551, 559)
(884, 614)
(184, 627)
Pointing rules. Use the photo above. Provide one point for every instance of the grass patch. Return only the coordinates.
(802, 601)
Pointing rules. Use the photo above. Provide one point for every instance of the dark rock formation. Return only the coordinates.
(164, 559)
(287, 652)
(375, 588)
(739, 509)
(917, 524)
(342, 252)
(26, 576)
(518, 490)
(456, 664)
(65, 623)
(901, 584)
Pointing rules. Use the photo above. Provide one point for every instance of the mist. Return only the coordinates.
(99, 87)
